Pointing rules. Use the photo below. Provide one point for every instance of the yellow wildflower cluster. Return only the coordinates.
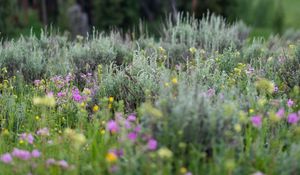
(264, 86)
(44, 101)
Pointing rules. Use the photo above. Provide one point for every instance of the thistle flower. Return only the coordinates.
(131, 118)
(293, 118)
(290, 103)
(132, 136)
(112, 126)
(152, 144)
(35, 153)
(280, 113)
(256, 121)
(63, 164)
(21, 154)
(6, 158)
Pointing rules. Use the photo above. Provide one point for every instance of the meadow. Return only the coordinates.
(204, 98)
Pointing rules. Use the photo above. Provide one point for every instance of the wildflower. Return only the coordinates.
(37, 117)
(6, 158)
(293, 118)
(111, 157)
(95, 108)
(264, 86)
(290, 103)
(256, 121)
(77, 139)
(112, 126)
(152, 144)
(118, 152)
(192, 50)
(131, 118)
(165, 153)
(45, 101)
(50, 161)
(63, 164)
(275, 88)
(21, 154)
(174, 80)
(237, 127)
(132, 136)
(111, 99)
(86, 91)
(35, 153)
(183, 170)
(27, 137)
(102, 131)
(280, 113)
(76, 95)
(251, 111)
(61, 94)
(43, 132)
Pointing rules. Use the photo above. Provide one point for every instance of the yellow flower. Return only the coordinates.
(21, 142)
(111, 157)
(165, 153)
(174, 80)
(44, 101)
(251, 111)
(102, 131)
(109, 106)
(95, 108)
(111, 99)
(192, 50)
(37, 117)
(237, 127)
(183, 170)
(166, 84)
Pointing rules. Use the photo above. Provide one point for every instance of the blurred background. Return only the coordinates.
(76, 17)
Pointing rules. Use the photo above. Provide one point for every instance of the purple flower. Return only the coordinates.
(6, 158)
(118, 152)
(76, 95)
(35, 153)
(27, 137)
(152, 144)
(43, 132)
(280, 112)
(131, 118)
(137, 129)
(256, 121)
(61, 94)
(293, 118)
(50, 161)
(127, 124)
(132, 136)
(210, 92)
(64, 164)
(275, 88)
(112, 126)
(290, 103)
(37, 82)
(21, 154)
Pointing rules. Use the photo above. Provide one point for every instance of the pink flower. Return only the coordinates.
(293, 118)
(280, 112)
(61, 94)
(64, 164)
(35, 153)
(21, 154)
(43, 132)
(132, 136)
(138, 129)
(131, 118)
(50, 162)
(27, 137)
(6, 158)
(76, 95)
(256, 121)
(290, 103)
(112, 126)
(152, 144)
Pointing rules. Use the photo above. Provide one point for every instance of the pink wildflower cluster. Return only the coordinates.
(61, 163)
(27, 137)
(7, 158)
(133, 130)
